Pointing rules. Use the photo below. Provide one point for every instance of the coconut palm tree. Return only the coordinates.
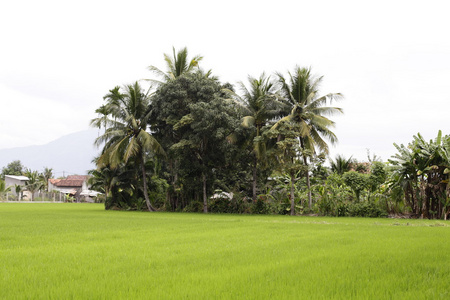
(3, 190)
(260, 105)
(177, 65)
(340, 164)
(102, 119)
(45, 176)
(308, 111)
(34, 182)
(127, 136)
(19, 191)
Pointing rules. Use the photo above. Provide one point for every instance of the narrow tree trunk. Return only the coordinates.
(205, 199)
(144, 181)
(292, 193)
(175, 189)
(308, 183)
(255, 178)
(173, 195)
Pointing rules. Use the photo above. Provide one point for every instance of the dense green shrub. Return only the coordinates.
(260, 206)
(279, 208)
(342, 210)
(326, 206)
(364, 209)
(220, 205)
(158, 191)
(358, 182)
(194, 206)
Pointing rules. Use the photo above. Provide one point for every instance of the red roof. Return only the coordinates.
(77, 177)
(54, 181)
(70, 181)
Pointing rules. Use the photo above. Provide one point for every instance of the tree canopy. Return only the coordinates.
(194, 143)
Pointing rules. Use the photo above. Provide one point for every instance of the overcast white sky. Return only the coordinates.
(390, 59)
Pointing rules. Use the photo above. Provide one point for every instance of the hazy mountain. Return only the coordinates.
(70, 154)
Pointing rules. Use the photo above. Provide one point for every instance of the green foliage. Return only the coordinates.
(158, 191)
(260, 206)
(307, 112)
(126, 139)
(177, 65)
(259, 105)
(340, 164)
(358, 182)
(217, 139)
(378, 175)
(194, 207)
(45, 176)
(13, 168)
(364, 209)
(3, 190)
(420, 176)
(34, 182)
(333, 195)
(236, 205)
(192, 119)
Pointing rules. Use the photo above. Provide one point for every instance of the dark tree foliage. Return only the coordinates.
(13, 168)
(263, 151)
(192, 118)
(421, 174)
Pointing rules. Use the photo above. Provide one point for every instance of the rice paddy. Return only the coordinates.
(81, 251)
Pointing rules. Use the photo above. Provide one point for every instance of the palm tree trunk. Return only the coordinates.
(205, 199)
(308, 183)
(255, 178)
(144, 182)
(292, 193)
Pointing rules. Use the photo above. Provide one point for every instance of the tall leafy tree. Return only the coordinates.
(177, 64)
(192, 119)
(309, 111)
(260, 106)
(13, 168)
(288, 154)
(126, 136)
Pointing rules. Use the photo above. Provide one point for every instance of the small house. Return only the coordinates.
(13, 181)
(72, 185)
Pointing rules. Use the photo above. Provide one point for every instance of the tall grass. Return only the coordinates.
(80, 251)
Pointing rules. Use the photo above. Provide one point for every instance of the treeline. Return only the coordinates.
(37, 181)
(193, 143)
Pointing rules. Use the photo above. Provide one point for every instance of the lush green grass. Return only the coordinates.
(80, 251)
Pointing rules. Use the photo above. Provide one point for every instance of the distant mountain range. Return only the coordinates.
(68, 155)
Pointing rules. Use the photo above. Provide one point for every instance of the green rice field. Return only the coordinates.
(81, 251)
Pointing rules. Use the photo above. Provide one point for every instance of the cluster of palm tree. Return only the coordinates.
(36, 181)
(420, 176)
(197, 129)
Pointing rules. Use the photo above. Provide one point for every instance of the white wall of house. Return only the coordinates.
(12, 180)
